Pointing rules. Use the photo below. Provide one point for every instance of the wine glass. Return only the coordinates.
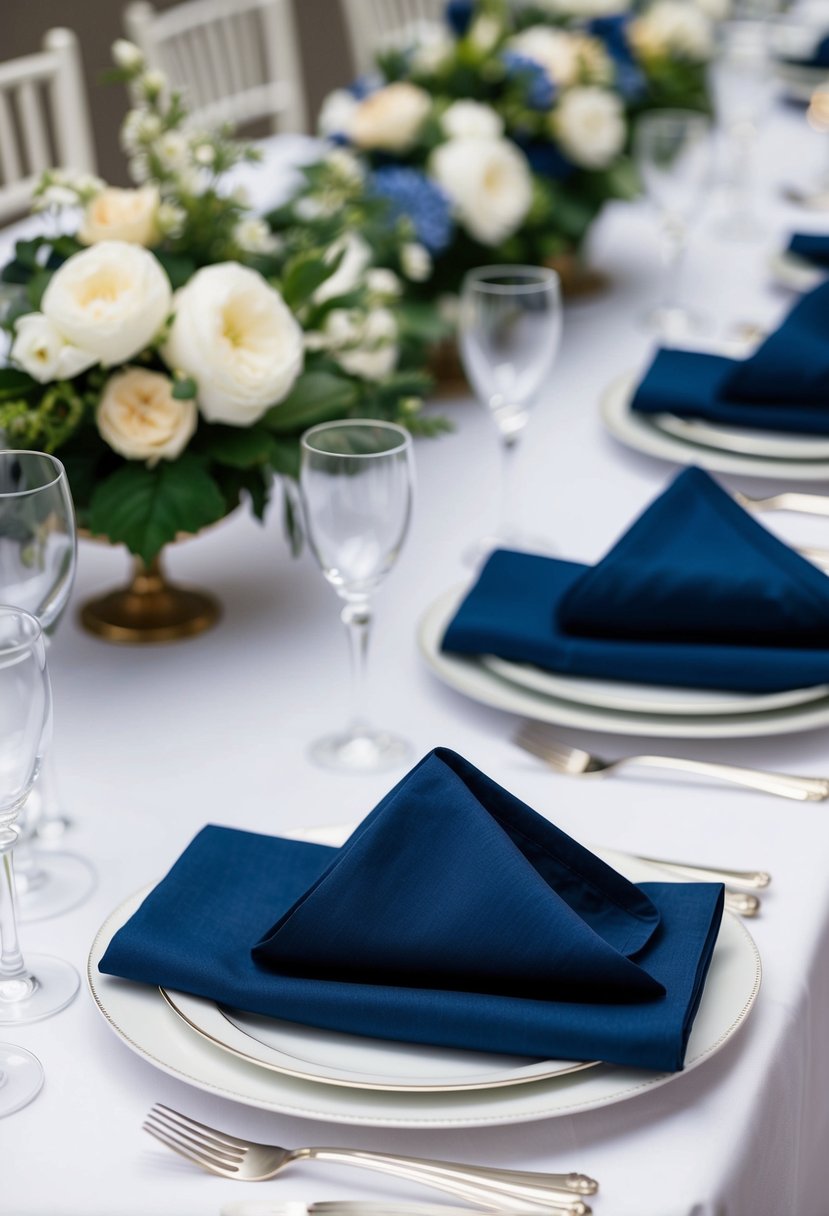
(26, 995)
(673, 155)
(510, 330)
(356, 483)
(38, 549)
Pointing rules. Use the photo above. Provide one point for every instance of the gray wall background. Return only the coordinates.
(97, 23)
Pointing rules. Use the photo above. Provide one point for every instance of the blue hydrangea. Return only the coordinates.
(410, 193)
(364, 85)
(545, 159)
(458, 15)
(613, 32)
(539, 90)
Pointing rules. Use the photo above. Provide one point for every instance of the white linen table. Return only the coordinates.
(152, 743)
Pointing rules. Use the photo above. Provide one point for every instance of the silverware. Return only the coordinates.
(533, 737)
(742, 903)
(230, 1156)
(788, 500)
(758, 880)
(360, 1207)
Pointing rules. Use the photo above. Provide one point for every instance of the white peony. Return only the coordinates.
(489, 182)
(390, 119)
(471, 118)
(121, 215)
(42, 352)
(356, 256)
(590, 126)
(554, 50)
(415, 262)
(111, 300)
(337, 113)
(140, 419)
(237, 338)
(673, 27)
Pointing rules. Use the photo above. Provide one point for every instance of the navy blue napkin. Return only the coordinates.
(812, 246)
(819, 57)
(696, 594)
(783, 386)
(454, 915)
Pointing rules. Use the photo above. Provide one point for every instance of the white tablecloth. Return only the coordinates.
(152, 743)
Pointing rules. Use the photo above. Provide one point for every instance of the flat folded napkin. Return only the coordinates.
(812, 246)
(697, 594)
(454, 915)
(783, 386)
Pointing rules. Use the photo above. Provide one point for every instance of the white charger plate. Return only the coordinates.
(469, 676)
(776, 445)
(800, 82)
(640, 432)
(647, 698)
(795, 273)
(141, 1018)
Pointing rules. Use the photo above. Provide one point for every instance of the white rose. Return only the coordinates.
(555, 50)
(415, 262)
(337, 113)
(110, 299)
(489, 182)
(121, 215)
(673, 27)
(127, 55)
(471, 118)
(356, 256)
(42, 352)
(590, 126)
(237, 338)
(140, 419)
(390, 119)
(364, 344)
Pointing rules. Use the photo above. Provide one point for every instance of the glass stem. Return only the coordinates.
(357, 618)
(16, 983)
(742, 181)
(509, 487)
(673, 256)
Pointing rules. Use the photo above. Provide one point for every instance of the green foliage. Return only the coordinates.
(303, 274)
(317, 396)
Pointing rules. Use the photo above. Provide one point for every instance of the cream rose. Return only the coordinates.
(489, 182)
(390, 119)
(554, 50)
(42, 352)
(673, 27)
(122, 215)
(140, 419)
(237, 338)
(471, 118)
(110, 300)
(590, 126)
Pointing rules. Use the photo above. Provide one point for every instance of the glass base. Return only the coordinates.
(525, 542)
(57, 984)
(56, 883)
(675, 324)
(21, 1078)
(51, 831)
(366, 751)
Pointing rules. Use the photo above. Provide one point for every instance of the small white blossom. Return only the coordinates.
(485, 32)
(152, 83)
(139, 168)
(170, 219)
(345, 164)
(173, 151)
(127, 55)
(383, 283)
(252, 235)
(204, 154)
(416, 261)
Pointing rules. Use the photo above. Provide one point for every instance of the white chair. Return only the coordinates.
(376, 23)
(237, 60)
(44, 119)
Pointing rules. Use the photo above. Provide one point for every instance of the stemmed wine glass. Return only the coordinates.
(356, 484)
(510, 331)
(25, 721)
(38, 547)
(673, 155)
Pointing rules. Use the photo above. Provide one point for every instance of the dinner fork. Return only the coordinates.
(533, 737)
(788, 500)
(361, 1207)
(230, 1156)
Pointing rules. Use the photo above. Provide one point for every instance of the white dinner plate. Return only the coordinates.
(799, 82)
(327, 1057)
(639, 431)
(140, 1017)
(795, 273)
(469, 676)
(777, 445)
(647, 698)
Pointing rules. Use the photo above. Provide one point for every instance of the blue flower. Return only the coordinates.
(410, 193)
(545, 159)
(365, 85)
(458, 15)
(613, 32)
(539, 90)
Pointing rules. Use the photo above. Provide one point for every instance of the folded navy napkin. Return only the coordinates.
(812, 246)
(783, 386)
(696, 593)
(454, 915)
(819, 58)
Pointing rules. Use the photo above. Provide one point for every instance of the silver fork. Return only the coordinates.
(232, 1157)
(788, 500)
(534, 737)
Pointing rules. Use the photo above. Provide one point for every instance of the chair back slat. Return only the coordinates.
(375, 23)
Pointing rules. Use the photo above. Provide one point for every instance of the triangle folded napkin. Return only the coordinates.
(811, 246)
(783, 386)
(695, 594)
(454, 915)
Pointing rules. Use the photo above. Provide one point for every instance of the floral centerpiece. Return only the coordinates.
(171, 350)
(499, 135)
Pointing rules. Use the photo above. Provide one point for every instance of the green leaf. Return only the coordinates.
(315, 397)
(14, 383)
(304, 274)
(184, 388)
(239, 447)
(146, 508)
(36, 286)
(284, 456)
(179, 267)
